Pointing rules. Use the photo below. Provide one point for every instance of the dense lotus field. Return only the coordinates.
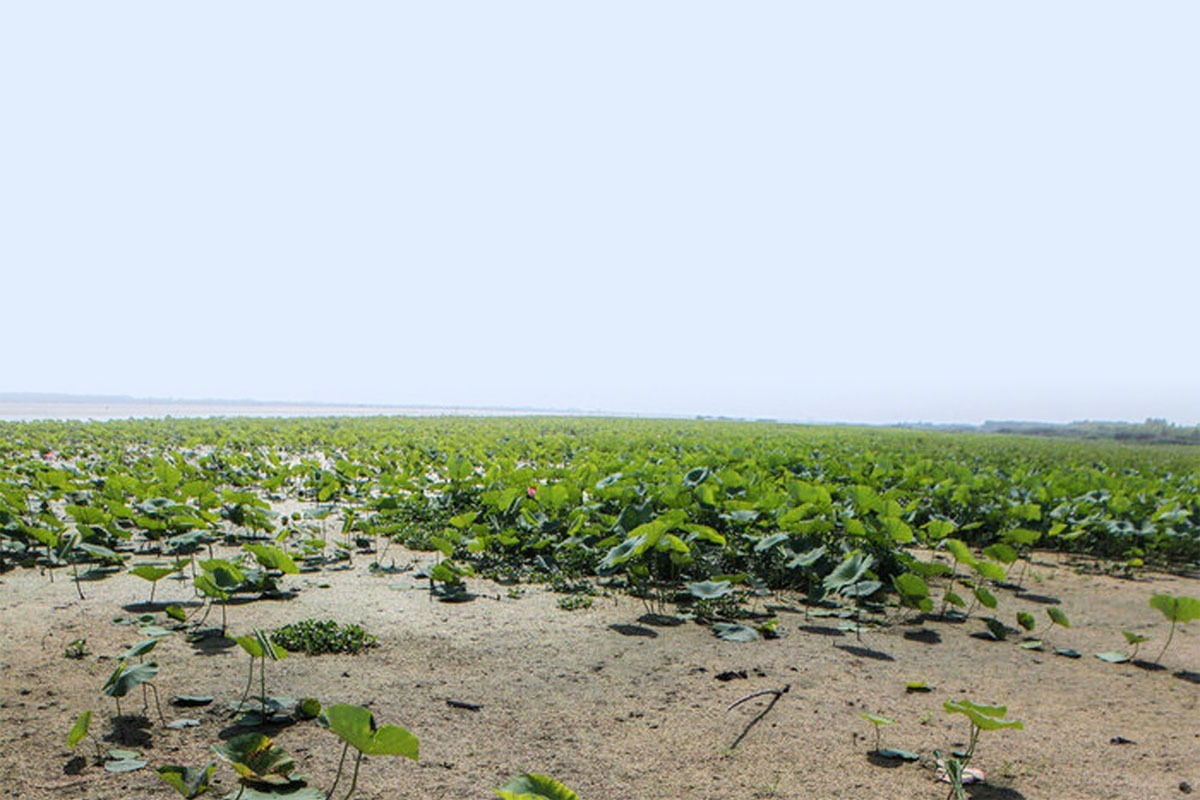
(652, 500)
(697, 513)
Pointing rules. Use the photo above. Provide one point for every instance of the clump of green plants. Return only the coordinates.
(317, 637)
(77, 649)
(564, 585)
(574, 602)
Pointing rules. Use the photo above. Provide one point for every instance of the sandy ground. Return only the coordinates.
(619, 708)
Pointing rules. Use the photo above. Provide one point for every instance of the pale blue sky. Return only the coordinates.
(816, 211)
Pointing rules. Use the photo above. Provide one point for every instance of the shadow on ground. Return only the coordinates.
(131, 730)
(864, 652)
(924, 636)
(633, 630)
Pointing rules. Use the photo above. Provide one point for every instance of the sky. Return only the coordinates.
(866, 212)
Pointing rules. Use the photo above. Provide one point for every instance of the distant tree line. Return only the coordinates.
(1153, 431)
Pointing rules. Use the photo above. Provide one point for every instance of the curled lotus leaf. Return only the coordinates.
(126, 677)
(531, 786)
(255, 757)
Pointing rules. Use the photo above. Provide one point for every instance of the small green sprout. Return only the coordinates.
(982, 718)
(259, 646)
(79, 730)
(1179, 609)
(878, 722)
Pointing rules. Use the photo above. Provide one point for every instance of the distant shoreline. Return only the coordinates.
(99, 410)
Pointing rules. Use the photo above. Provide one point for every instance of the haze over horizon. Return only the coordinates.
(52, 405)
(873, 213)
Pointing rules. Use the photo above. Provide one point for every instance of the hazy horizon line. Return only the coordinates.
(69, 398)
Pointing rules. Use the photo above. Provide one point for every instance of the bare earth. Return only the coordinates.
(618, 708)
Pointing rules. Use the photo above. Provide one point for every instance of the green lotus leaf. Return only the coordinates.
(139, 649)
(1022, 537)
(296, 790)
(79, 729)
(913, 591)
(623, 552)
(356, 726)
(861, 589)
(208, 587)
(897, 755)
(807, 558)
(709, 590)
(985, 597)
(960, 551)
(151, 573)
(984, 717)
(767, 542)
(852, 569)
(224, 573)
(1177, 609)
(127, 677)
(272, 557)
(1058, 616)
(735, 633)
(1000, 552)
(929, 569)
(259, 645)
(100, 552)
(990, 570)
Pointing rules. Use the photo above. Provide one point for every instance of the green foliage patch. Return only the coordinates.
(316, 637)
